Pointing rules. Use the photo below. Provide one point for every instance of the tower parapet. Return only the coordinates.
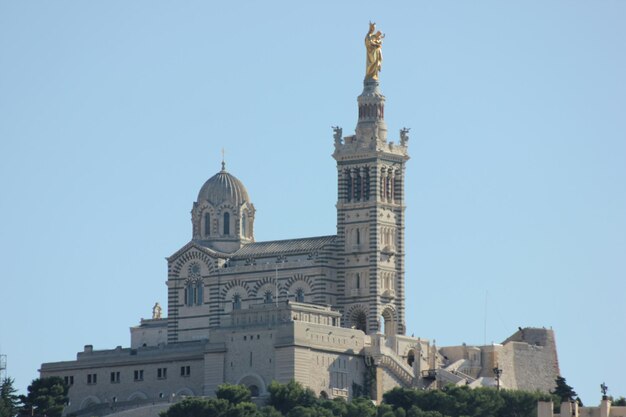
(371, 128)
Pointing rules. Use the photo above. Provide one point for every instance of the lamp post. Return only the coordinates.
(497, 372)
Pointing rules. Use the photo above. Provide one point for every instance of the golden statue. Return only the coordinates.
(373, 45)
(156, 312)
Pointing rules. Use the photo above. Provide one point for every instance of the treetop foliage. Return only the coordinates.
(294, 400)
(46, 396)
(564, 392)
(9, 400)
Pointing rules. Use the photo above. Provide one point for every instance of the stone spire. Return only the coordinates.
(371, 129)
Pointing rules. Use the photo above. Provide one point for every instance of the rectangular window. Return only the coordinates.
(115, 377)
(69, 380)
(92, 379)
(185, 370)
(162, 373)
(139, 375)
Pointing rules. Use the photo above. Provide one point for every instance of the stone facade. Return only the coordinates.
(326, 311)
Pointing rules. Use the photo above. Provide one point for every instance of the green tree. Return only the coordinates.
(234, 394)
(619, 402)
(189, 407)
(284, 397)
(9, 400)
(242, 409)
(385, 410)
(521, 403)
(312, 411)
(360, 407)
(462, 401)
(214, 407)
(415, 411)
(46, 396)
(269, 411)
(400, 412)
(337, 406)
(563, 391)
(401, 397)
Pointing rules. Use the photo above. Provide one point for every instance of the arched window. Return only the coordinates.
(236, 302)
(199, 293)
(300, 295)
(254, 390)
(268, 297)
(207, 224)
(226, 224)
(244, 226)
(349, 185)
(190, 294)
(359, 321)
(410, 357)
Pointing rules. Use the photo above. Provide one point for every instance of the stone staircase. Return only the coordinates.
(451, 374)
(386, 358)
(397, 368)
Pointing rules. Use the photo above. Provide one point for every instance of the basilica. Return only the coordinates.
(326, 311)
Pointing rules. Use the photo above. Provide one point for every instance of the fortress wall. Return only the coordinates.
(535, 367)
(332, 372)
(213, 372)
(535, 358)
(505, 358)
(250, 353)
(385, 381)
(285, 364)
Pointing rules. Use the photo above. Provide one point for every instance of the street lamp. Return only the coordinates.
(497, 372)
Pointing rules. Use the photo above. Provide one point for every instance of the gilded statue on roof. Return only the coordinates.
(373, 45)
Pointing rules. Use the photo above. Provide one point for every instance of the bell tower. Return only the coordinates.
(370, 215)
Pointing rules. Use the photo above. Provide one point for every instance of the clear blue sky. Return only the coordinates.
(113, 114)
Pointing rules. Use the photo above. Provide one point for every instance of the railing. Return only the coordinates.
(337, 392)
(355, 292)
(397, 369)
(455, 367)
(450, 377)
(429, 374)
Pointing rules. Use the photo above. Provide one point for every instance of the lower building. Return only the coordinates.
(571, 409)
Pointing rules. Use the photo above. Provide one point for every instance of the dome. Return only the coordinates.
(223, 188)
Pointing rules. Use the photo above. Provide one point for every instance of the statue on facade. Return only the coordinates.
(373, 46)
(337, 134)
(604, 389)
(404, 136)
(156, 311)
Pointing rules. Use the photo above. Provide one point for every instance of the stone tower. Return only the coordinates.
(370, 219)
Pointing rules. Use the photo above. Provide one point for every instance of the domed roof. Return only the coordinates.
(223, 188)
